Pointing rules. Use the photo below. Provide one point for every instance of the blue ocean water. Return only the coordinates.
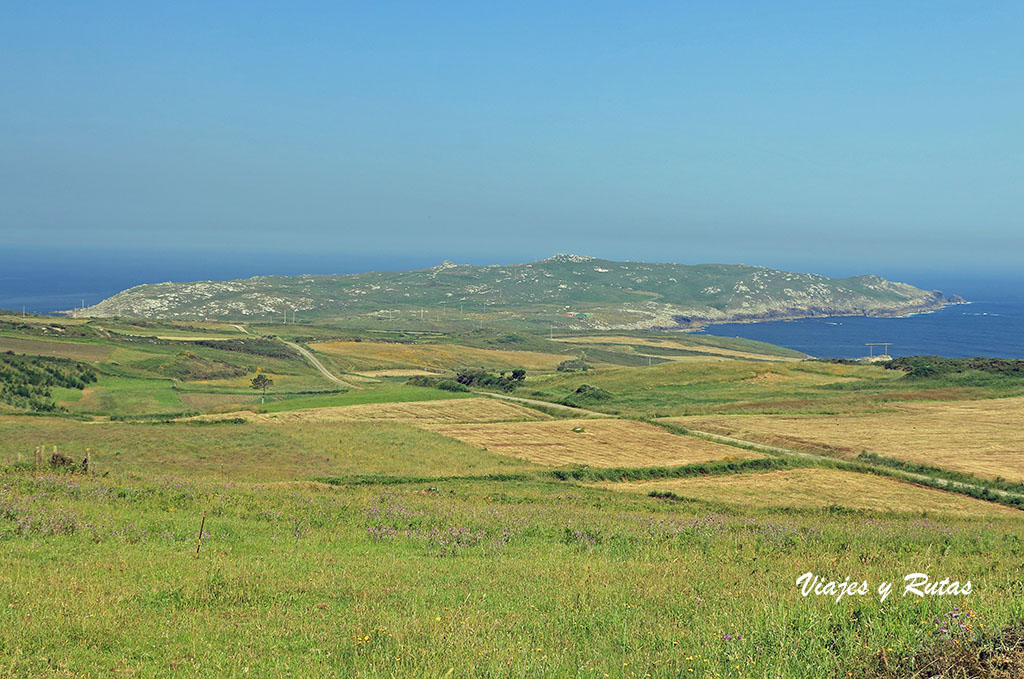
(46, 280)
(53, 279)
(991, 325)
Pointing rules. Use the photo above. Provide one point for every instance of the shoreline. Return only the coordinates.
(700, 326)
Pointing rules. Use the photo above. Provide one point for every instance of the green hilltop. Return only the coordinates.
(569, 290)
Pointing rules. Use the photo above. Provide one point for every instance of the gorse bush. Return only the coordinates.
(506, 381)
(587, 394)
(442, 383)
(574, 365)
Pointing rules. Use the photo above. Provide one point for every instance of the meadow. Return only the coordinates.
(101, 578)
(398, 530)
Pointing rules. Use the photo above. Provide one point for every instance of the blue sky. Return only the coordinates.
(824, 136)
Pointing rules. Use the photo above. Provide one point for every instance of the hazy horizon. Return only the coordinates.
(828, 137)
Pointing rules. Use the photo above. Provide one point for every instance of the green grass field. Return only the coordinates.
(455, 578)
(386, 393)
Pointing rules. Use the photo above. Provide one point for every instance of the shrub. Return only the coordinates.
(482, 378)
(587, 394)
(574, 365)
(442, 383)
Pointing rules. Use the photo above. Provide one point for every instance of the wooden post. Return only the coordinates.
(88, 460)
(199, 543)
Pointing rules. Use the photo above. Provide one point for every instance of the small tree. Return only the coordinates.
(261, 381)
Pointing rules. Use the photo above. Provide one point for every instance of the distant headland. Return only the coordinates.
(573, 291)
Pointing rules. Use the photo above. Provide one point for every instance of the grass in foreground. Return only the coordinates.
(517, 579)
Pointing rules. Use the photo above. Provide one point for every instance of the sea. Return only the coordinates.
(992, 324)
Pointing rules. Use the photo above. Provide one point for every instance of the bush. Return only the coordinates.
(587, 394)
(442, 383)
(483, 379)
(574, 365)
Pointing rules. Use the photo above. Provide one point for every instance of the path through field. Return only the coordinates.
(320, 366)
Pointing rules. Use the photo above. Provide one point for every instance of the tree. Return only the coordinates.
(261, 381)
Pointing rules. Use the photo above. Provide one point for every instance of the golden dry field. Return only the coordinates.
(397, 372)
(711, 351)
(982, 437)
(443, 411)
(363, 356)
(601, 443)
(820, 488)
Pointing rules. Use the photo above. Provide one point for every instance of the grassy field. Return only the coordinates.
(705, 385)
(274, 451)
(401, 531)
(363, 356)
(982, 437)
(414, 580)
(384, 393)
(123, 395)
(821, 488)
(678, 348)
(433, 411)
(593, 442)
(80, 351)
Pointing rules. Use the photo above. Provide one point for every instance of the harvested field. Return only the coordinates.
(601, 443)
(426, 412)
(78, 351)
(820, 488)
(669, 344)
(982, 437)
(364, 356)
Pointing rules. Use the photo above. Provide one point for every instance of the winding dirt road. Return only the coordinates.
(320, 366)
